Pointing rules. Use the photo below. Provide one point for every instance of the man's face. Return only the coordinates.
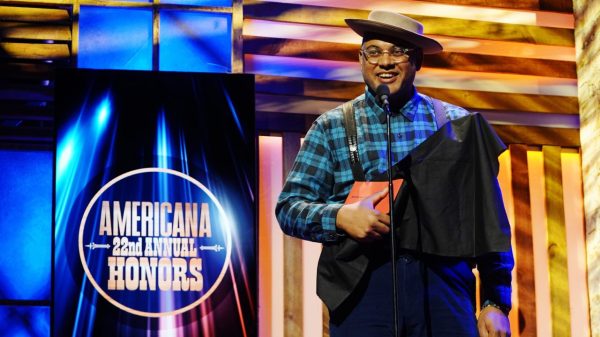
(398, 76)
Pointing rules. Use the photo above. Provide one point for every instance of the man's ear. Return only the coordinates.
(418, 59)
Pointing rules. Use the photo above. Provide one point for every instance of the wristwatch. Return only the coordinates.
(488, 303)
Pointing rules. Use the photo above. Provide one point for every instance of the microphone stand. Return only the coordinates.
(386, 108)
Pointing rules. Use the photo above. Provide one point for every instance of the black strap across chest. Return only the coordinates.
(352, 140)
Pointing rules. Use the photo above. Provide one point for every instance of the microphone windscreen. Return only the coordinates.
(382, 92)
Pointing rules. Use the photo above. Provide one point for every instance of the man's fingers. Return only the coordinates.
(483, 332)
(377, 197)
(381, 228)
(384, 219)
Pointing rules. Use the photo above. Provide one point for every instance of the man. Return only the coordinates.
(436, 291)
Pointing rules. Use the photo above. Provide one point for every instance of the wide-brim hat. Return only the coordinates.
(396, 27)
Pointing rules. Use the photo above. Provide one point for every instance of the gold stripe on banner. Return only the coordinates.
(292, 250)
(557, 242)
(524, 241)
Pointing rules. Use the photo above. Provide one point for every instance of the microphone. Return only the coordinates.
(383, 94)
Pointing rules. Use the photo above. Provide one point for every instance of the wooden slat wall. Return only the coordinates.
(524, 240)
(304, 59)
(293, 298)
(519, 53)
(548, 283)
(557, 242)
(34, 40)
(507, 58)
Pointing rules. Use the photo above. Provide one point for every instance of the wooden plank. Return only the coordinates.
(32, 14)
(522, 4)
(24, 93)
(27, 134)
(12, 109)
(342, 90)
(557, 242)
(524, 240)
(501, 64)
(510, 134)
(506, 101)
(35, 51)
(490, 12)
(237, 23)
(293, 297)
(325, 321)
(433, 25)
(446, 60)
(586, 15)
(497, 31)
(28, 31)
(557, 5)
(32, 71)
(535, 135)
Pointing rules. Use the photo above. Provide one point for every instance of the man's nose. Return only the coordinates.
(385, 61)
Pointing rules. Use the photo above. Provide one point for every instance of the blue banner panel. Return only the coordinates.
(115, 38)
(20, 321)
(195, 41)
(25, 224)
(155, 215)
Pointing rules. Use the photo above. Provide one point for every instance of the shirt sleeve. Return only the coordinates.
(302, 209)
(495, 273)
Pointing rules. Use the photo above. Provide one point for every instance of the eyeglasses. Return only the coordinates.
(399, 55)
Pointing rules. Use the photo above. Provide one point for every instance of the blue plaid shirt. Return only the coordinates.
(321, 177)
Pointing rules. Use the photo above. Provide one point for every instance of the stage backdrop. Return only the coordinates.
(155, 211)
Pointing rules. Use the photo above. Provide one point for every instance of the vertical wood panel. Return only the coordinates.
(270, 239)
(524, 241)
(575, 227)
(535, 164)
(292, 249)
(557, 242)
(587, 31)
(325, 321)
(504, 180)
(237, 24)
(313, 310)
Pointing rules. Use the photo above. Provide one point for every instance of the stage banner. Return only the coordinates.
(155, 209)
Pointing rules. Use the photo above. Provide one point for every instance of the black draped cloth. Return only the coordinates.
(450, 205)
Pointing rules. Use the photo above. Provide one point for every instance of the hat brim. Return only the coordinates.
(362, 27)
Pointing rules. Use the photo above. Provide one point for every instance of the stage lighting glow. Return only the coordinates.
(65, 150)
(103, 113)
(234, 113)
(163, 143)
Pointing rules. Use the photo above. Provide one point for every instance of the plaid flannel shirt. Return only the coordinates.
(321, 177)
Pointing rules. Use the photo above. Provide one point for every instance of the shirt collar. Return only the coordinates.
(408, 111)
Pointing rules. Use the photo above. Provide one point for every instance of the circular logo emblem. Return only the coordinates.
(155, 242)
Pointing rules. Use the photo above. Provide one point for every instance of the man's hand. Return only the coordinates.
(493, 322)
(361, 221)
